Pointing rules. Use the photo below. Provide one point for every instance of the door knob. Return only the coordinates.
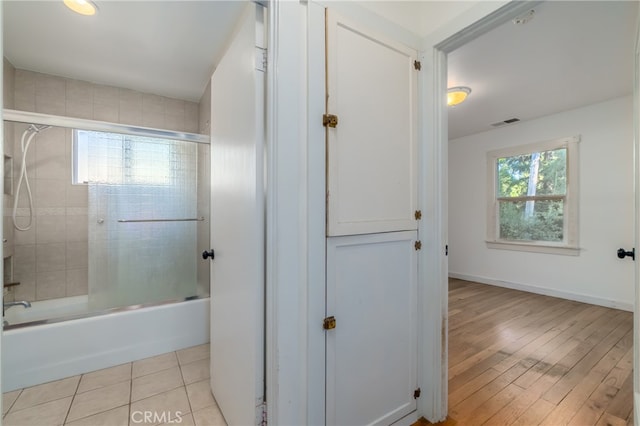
(622, 253)
(207, 254)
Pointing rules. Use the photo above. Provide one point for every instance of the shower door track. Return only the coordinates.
(99, 126)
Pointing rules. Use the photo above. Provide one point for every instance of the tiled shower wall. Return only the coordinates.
(50, 259)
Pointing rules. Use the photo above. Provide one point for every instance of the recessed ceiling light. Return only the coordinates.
(83, 7)
(457, 95)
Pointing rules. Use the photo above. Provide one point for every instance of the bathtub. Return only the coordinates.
(41, 353)
(46, 309)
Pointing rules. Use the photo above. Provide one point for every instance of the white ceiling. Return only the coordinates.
(168, 48)
(571, 54)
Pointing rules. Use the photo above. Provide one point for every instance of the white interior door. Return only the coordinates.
(237, 225)
(372, 161)
(371, 353)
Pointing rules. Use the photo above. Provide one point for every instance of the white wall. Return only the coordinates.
(606, 208)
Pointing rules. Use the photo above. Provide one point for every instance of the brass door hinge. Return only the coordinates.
(417, 65)
(329, 120)
(416, 393)
(418, 245)
(418, 214)
(329, 323)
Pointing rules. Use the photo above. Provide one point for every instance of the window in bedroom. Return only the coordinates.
(533, 197)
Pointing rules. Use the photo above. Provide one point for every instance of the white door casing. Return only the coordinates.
(372, 158)
(636, 304)
(237, 225)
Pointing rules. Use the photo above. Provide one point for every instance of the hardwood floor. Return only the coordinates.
(518, 358)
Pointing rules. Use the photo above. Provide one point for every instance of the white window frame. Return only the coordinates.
(569, 245)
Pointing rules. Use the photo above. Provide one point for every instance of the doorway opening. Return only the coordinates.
(566, 277)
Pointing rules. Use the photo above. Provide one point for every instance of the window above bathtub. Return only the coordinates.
(113, 158)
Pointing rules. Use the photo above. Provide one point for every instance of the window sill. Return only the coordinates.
(534, 248)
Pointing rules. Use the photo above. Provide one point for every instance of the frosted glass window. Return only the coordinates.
(143, 160)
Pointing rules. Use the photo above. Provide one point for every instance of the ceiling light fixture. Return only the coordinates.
(83, 7)
(457, 95)
(523, 19)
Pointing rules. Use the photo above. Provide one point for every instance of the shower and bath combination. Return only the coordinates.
(89, 276)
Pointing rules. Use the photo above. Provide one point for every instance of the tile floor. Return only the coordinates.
(172, 388)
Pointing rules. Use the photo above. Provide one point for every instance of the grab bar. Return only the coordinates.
(195, 219)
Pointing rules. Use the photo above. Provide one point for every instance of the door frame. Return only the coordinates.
(636, 171)
(433, 169)
(436, 89)
(433, 262)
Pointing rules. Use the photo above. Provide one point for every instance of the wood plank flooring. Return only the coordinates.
(517, 358)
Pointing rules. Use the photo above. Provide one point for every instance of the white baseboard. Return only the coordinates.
(546, 291)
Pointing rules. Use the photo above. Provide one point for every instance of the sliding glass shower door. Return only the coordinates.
(143, 218)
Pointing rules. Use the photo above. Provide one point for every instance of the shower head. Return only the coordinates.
(37, 128)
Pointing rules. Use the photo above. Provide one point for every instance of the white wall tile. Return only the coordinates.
(9, 138)
(49, 192)
(77, 282)
(24, 259)
(77, 254)
(51, 257)
(47, 105)
(25, 237)
(77, 229)
(9, 73)
(107, 113)
(174, 122)
(27, 288)
(130, 107)
(79, 91)
(106, 95)
(51, 229)
(25, 90)
(51, 285)
(50, 86)
(153, 111)
(79, 109)
(77, 195)
(174, 107)
(153, 119)
(204, 111)
(51, 155)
